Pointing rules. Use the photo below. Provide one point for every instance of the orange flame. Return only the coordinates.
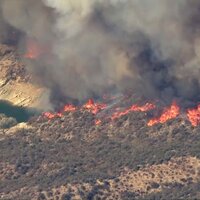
(66, 108)
(194, 116)
(145, 108)
(69, 108)
(93, 107)
(33, 49)
(97, 122)
(169, 113)
(50, 115)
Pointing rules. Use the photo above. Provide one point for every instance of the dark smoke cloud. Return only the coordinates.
(150, 47)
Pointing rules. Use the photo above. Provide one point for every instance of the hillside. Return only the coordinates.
(69, 157)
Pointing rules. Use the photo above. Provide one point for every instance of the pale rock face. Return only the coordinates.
(13, 86)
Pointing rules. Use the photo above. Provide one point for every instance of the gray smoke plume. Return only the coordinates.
(150, 47)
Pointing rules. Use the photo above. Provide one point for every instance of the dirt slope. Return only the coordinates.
(15, 85)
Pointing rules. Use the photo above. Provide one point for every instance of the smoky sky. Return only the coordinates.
(149, 47)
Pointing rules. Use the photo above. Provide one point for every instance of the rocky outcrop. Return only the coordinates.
(15, 82)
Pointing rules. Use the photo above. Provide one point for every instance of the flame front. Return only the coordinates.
(90, 106)
(50, 115)
(94, 107)
(69, 108)
(145, 108)
(169, 113)
(194, 115)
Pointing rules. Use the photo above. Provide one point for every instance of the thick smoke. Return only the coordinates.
(149, 47)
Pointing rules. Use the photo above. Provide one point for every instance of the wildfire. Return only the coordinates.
(169, 113)
(97, 122)
(50, 115)
(90, 106)
(69, 108)
(194, 115)
(33, 49)
(93, 107)
(145, 108)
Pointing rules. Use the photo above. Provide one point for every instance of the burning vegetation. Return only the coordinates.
(153, 72)
(33, 50)
(120, 115)
(194, 116)
(168, 113)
